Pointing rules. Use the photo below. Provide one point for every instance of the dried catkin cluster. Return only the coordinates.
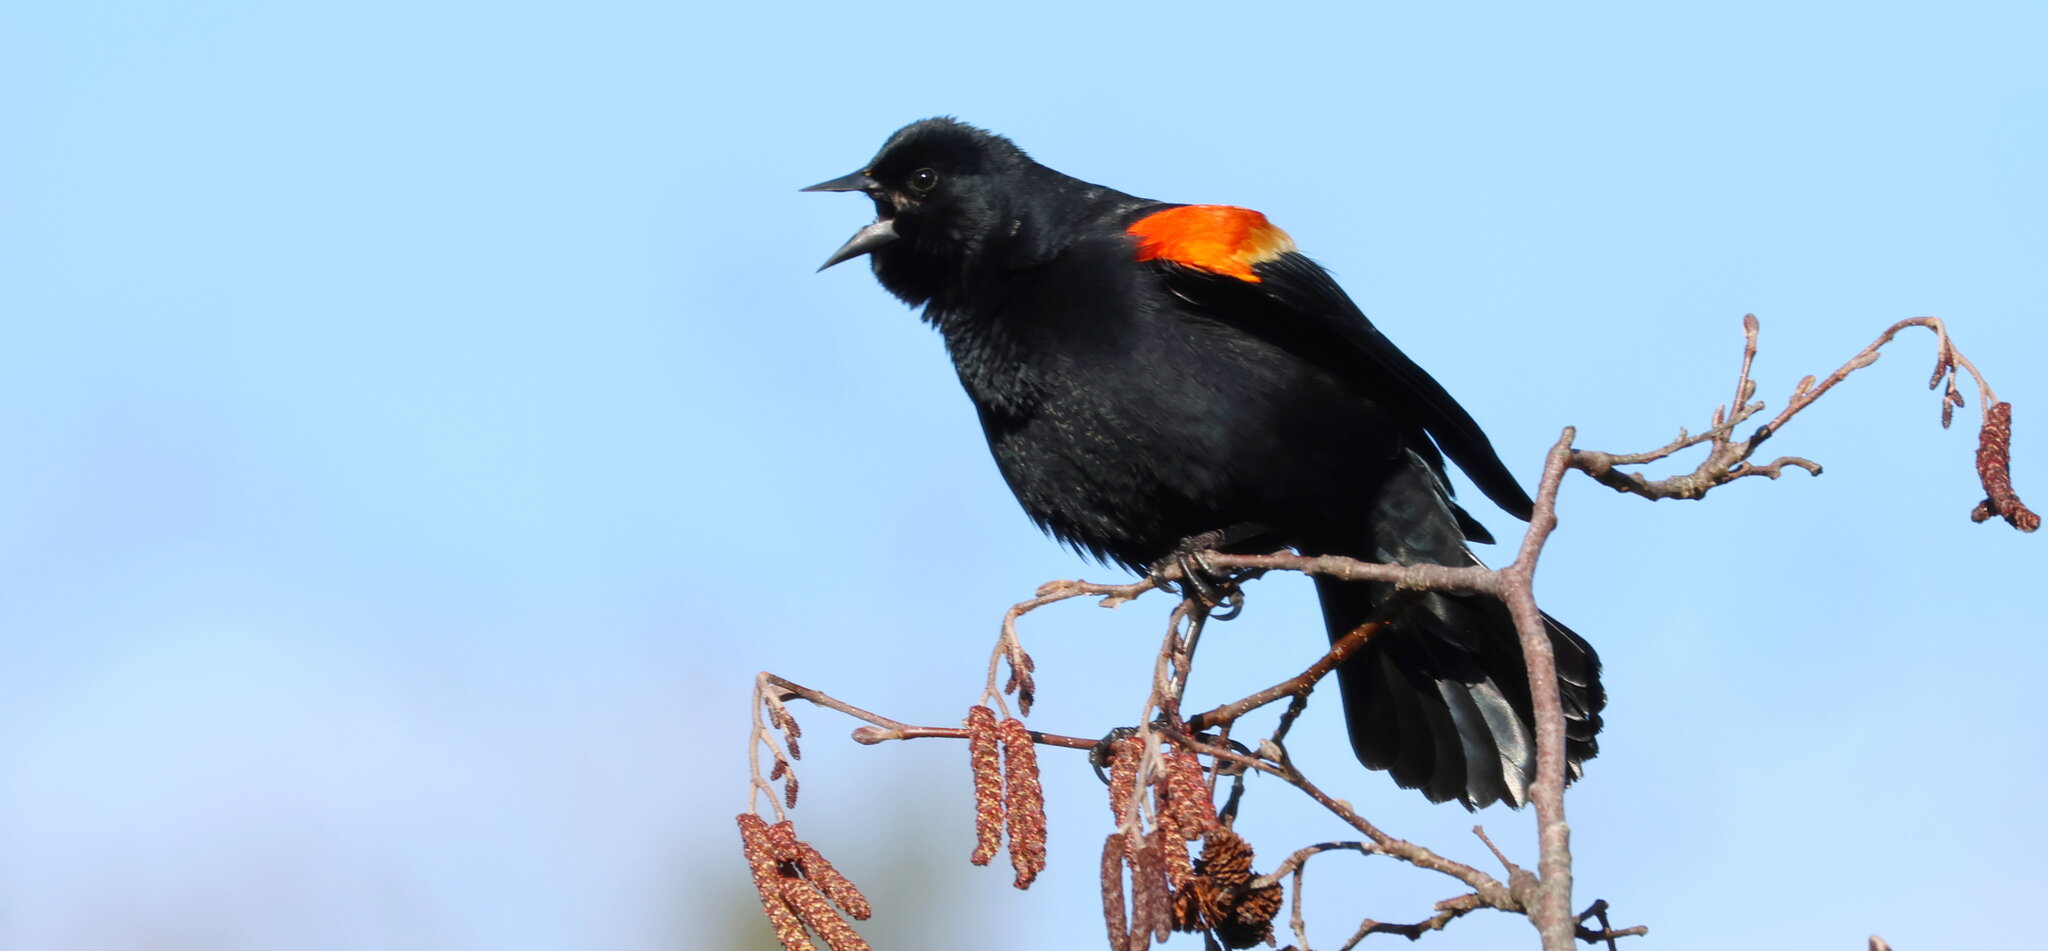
(1219, 898)
(1994, 468)
(798, 888)
(1007, 794)
(1168, 890)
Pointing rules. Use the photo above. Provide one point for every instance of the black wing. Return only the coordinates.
(1297, 305)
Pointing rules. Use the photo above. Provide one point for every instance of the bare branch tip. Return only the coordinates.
(871, 735)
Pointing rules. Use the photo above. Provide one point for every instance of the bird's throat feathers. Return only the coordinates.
(1220, 239)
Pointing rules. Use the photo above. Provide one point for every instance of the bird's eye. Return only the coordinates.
(923, 180)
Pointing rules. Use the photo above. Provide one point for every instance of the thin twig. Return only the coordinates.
(1728, 460)
(1495, 893)
(885, 729)
(1447, 911)
(1010, 648)
(1296, 686)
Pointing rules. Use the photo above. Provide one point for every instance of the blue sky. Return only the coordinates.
(422, 420)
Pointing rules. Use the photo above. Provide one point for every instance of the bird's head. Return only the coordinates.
(943, 192)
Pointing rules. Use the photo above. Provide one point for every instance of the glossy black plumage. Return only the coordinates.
(1132, 404)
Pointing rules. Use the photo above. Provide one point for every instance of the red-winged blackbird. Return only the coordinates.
(1147, 373)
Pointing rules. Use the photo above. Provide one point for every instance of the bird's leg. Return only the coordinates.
(1212, 587)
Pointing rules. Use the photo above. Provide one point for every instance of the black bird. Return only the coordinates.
(1149, 373)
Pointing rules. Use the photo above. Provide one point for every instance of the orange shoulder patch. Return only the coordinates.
(1220, 239)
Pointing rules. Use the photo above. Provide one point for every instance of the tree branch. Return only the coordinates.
(1545, 895)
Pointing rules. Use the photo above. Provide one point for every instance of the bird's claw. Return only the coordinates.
(1198, 578)
(1098, 755)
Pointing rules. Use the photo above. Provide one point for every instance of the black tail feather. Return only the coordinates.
(1441, 698)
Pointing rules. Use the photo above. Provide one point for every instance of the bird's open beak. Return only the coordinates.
(866, 239)
(856, 182)
(863, 241)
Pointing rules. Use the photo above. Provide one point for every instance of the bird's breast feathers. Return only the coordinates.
(1220, 239)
